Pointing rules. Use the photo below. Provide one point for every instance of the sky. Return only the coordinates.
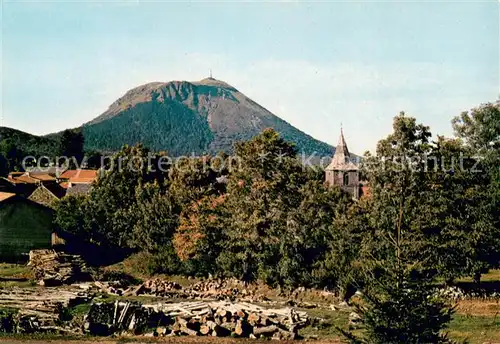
(314, 64)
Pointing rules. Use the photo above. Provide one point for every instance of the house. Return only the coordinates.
(24, 225)
(46, 194)
(79, 189)
(21, 183)
(38, 186)
(343, 172)
(79, 176)
(77, 182)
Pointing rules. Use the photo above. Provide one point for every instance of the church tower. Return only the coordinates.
(342, 171)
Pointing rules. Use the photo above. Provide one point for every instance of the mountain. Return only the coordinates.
(189, 117)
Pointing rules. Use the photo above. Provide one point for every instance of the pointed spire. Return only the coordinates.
(342, 148)
(342, 158)
(342, 139)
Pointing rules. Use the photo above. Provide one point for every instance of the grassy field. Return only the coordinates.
(477, 321)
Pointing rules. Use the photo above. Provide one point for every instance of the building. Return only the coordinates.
(342, 171)
(47, 194)
(24, 225)
(78, 182)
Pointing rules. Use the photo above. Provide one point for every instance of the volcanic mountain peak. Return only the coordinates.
(182, 117)
(214, 82)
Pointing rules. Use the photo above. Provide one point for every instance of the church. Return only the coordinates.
(343, 172)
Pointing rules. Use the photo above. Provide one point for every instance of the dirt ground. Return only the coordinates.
(180, 340)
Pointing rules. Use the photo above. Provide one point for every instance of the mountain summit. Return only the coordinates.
(183, 117)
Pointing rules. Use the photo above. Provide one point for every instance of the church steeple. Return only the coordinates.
(342, 171)
(342, 158)
(342, 152)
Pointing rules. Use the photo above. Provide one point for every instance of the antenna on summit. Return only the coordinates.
(211, 73)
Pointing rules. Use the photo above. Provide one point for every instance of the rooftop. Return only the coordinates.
(342, 158)
(6, 195)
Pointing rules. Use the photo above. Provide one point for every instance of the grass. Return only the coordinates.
(15, 275)
(14, 271)
(475, 329)
(491, 276)
(325, 323)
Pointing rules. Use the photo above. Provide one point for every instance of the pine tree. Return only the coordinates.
(399, 304)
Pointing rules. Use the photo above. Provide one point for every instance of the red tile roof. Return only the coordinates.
(24, 179)
(79, 176)
(44, 177)
(5, 196)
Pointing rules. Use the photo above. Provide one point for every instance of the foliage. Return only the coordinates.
(11, 157)
(271, 231)
(113, 199)
(158, 125)
(399, 305)
(29, 144)
(401, 308)
(480, 129)
(71, 147)
(440, 206)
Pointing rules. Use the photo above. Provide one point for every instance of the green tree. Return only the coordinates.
(113, 199)
(71, 146)
(277, 214)
(479, 128)
(156, 219)
(12, 154)
(191, 179)
(70, 216)
(399, 305)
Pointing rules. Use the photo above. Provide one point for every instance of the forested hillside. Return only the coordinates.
(27, 143)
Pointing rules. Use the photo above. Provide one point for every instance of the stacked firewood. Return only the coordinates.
(159, 287)
(217, 319)
(56, 268)
(206, 289)
(219, 289)
(39, 310)
(236, 320)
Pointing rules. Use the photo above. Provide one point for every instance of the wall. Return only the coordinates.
(24, 225)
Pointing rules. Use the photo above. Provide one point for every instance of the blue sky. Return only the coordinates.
(313, 64)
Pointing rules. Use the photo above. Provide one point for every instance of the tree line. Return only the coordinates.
(19, 151)
(276, 221)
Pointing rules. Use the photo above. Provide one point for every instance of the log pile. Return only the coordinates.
(159, 287)
(208, 289)
(220, 289)
(39, 310)
(217, 319)
(55, 268)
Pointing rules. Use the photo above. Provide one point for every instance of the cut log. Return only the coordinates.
(253, 318)
(205, 330)
(242, 328)
(265, 331)
(188, 331)
(228, 326)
